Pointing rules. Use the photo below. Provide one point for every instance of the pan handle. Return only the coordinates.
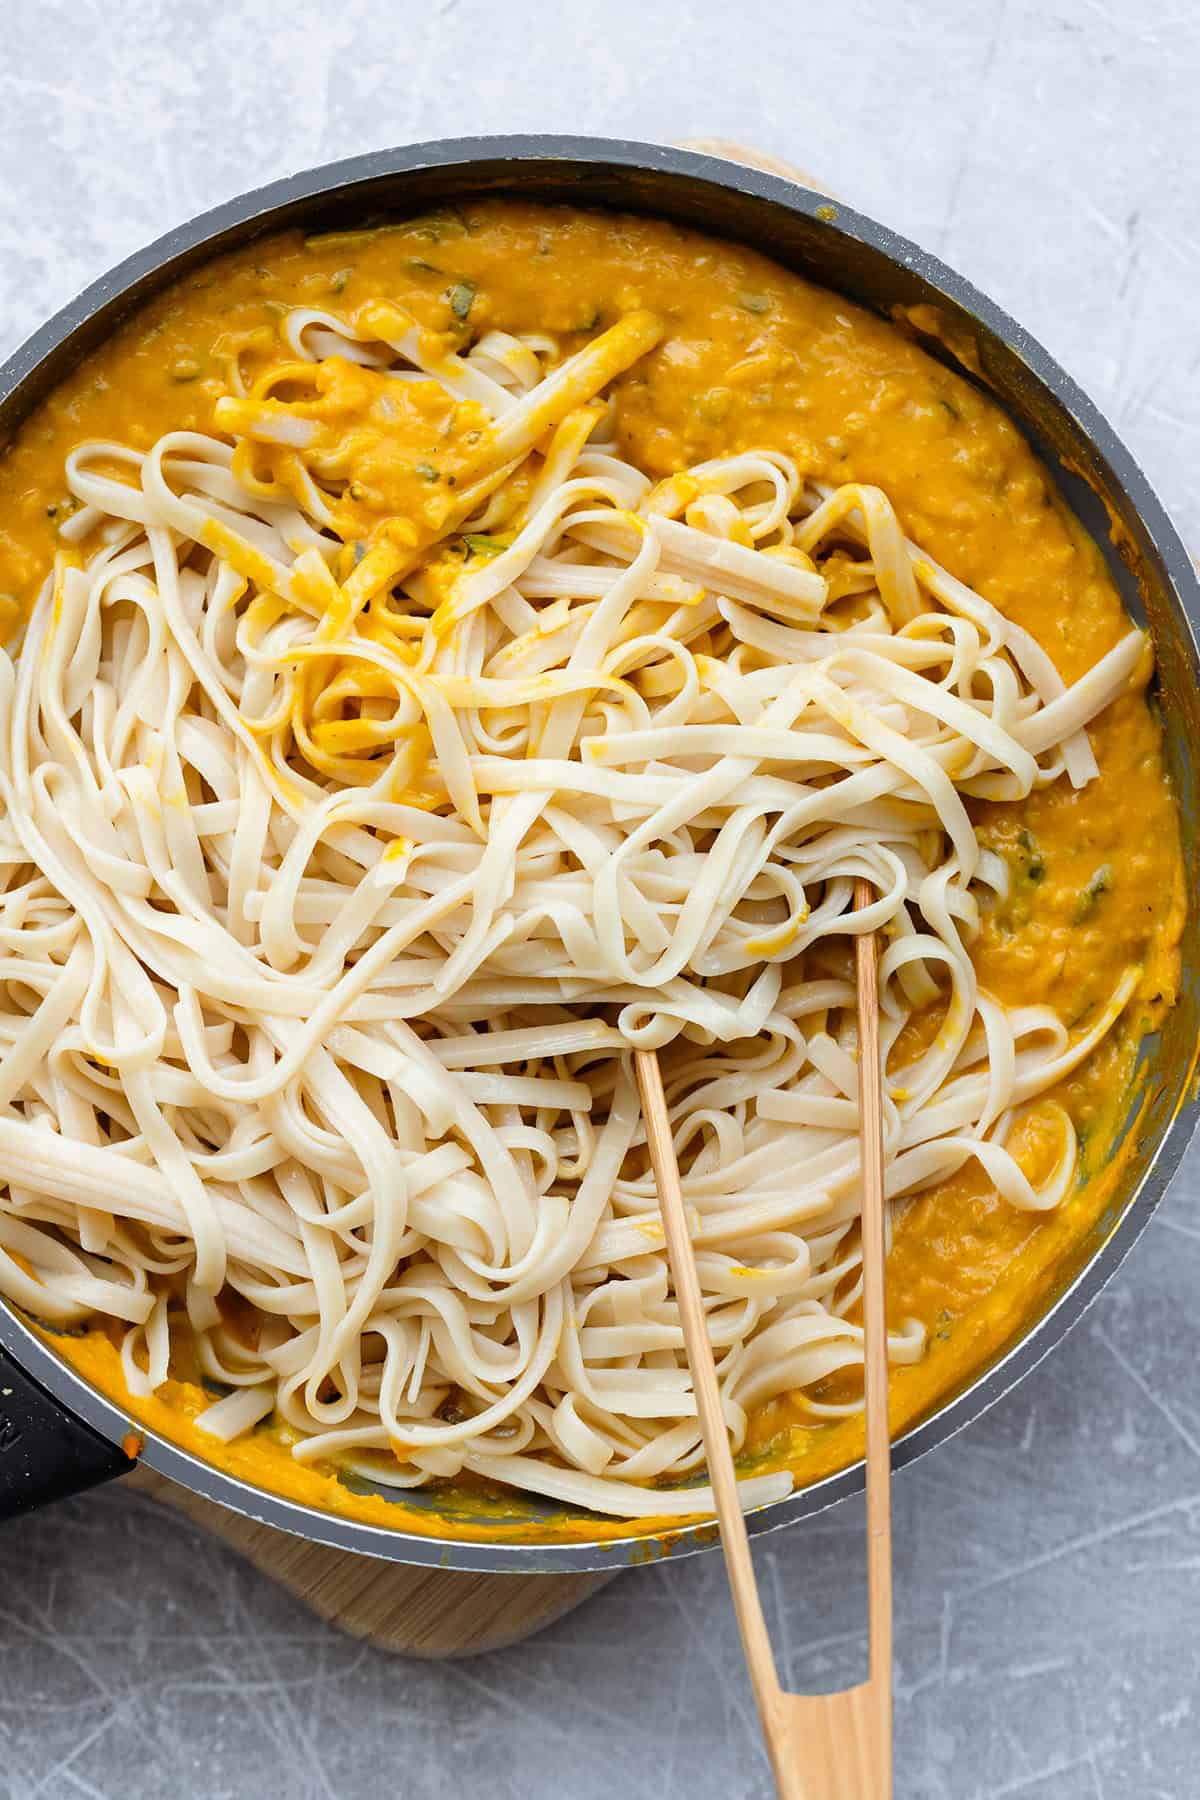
(46, 1452)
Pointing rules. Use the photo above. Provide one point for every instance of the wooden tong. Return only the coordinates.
(821, 1746)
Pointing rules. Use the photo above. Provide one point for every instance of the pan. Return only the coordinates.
(58, 1435)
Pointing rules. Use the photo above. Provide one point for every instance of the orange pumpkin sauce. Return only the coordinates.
(752, 357)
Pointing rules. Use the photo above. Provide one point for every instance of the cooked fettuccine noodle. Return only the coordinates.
(361, 810)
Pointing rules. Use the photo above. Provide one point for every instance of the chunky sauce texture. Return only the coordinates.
(754, 357)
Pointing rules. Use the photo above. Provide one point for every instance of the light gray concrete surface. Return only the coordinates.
(1048, 1561)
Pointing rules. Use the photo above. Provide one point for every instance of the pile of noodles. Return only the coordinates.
(339, 875)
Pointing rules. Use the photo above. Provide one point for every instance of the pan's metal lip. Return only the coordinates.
(470, 155)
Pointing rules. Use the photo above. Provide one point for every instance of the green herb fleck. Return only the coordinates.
(428, 472)
(344, 240)
(418, 266)
(1035, 867)
(360, 550)
(950, 408)
(446, 222)
(1100, 883)
(755, 303)
(479, 544)
(589, 319)
(461, 295)
(338, 280)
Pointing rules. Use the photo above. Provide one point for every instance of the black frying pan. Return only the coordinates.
(59, 1435)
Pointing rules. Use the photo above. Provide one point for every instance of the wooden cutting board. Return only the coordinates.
(413, 1612)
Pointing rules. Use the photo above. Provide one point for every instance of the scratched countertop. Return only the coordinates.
(1048, 1559)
